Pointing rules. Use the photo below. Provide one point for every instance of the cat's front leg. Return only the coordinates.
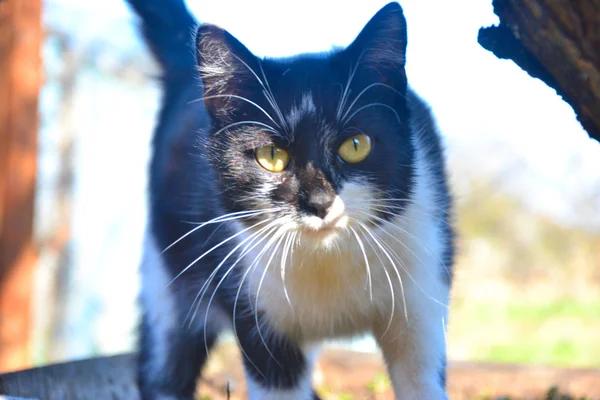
(170, 353)
(277, 368)
(414, 350)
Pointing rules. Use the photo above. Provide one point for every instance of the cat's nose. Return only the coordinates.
(320, 203)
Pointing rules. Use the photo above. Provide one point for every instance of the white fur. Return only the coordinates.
(330, 296)
(158, 303)
(307, 108)
(335, 218)
(409, 385)
(414, 356)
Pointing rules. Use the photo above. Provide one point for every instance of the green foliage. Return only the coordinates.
(527, 289)
(379, 384)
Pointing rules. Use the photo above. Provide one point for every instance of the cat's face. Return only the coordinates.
(318, 144)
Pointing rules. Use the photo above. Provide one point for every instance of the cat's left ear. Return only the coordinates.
(381, 46)
(225, 66)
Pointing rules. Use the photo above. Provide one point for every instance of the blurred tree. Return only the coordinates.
(20, 78)
(57, 243)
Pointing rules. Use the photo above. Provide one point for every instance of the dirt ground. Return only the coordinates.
(344, 375)
(340, 375)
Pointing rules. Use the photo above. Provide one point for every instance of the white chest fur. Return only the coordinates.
(343, 291)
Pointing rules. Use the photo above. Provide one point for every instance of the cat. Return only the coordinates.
(291, 200)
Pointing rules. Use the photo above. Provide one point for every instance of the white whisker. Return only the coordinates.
(389, 282)
(274, 102)
(267, 127)
(257, 258)
(266, 268)
(217, 96)
(411, 252)
(346, 91)
(288, 248)
(213, 248)
(266, 92)
(345, 121)
(211, 277)
(223, 218)
(362, 248)
(417, 241)
(373, 236)
(226, 274)
(364, 90)
(385, 209)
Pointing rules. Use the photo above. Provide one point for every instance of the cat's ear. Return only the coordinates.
(225, 67)
(381, 45)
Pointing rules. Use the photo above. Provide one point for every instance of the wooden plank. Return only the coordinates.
(20, 76)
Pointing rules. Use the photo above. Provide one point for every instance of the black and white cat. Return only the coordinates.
(291, 200)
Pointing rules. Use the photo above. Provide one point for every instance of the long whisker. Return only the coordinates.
(410, 235)
(387, 201)
(223, 218)
(410, 251)
(246, 251)
(218, 96)
(267, 95)
(274, 102)
(288, 248)
(393, 204)
(362, 248)
(215, 271)
(234, 312)
(379, 244)
(213, 248)
(267, 127)
(257, 258)
(345, 121)
(404, 232)
(385, 209)
(264, 274)
(389, 282)
(405, 268)
(364, 90)
(211, 277)
(346, 91)
(249, 247)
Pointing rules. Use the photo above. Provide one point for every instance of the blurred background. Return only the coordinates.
(525, 176)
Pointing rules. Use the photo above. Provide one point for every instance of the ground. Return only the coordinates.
(344, 375)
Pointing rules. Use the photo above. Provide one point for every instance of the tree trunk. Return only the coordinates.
(20, 76)
(557, 41)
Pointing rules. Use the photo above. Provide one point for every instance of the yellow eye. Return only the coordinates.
(355, 149)
(272, 158)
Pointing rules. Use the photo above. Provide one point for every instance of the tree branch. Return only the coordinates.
(557, 41)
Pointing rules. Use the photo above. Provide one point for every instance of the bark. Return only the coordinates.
(557, 41)
(20, 75)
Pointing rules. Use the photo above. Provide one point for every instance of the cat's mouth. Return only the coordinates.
(335, 220)
(318, 227)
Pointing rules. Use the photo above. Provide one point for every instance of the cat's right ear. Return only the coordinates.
(225, 67)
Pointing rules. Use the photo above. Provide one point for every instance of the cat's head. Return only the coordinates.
(322, 142)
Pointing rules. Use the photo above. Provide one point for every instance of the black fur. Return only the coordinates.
(202, 169)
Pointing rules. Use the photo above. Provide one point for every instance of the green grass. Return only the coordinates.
(560, 332)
